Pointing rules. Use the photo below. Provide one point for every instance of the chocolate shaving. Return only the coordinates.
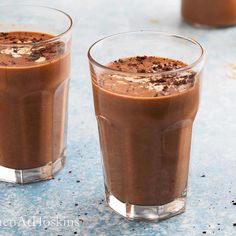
(35, 55)
(142, 58)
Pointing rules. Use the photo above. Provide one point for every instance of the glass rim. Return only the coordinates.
(187, 67)
(56, 37)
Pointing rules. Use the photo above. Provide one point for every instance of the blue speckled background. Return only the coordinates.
(76, 198)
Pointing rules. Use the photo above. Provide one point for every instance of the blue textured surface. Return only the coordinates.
(214, 143)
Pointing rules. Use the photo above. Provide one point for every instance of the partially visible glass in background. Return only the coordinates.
(35, 50)
(211, 13)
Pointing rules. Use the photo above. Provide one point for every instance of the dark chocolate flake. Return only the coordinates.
(167, 68)
(141, 71)
(155, 95)
(180, 82)
(191, 77)
(3, 34)
(15, 49)
(142, 58)
(35, 55)
(162, 80)
(165, 88)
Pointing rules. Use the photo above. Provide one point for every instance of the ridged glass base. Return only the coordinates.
(138, 212)
(32, 175)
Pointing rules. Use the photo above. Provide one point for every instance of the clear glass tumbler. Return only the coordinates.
(35, 51)
(145, 140)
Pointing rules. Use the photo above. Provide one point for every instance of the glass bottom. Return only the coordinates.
(32, 175)
(205, 26)
(154, 213)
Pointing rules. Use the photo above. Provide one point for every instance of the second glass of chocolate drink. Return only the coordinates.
(146, 89)
(34, 80)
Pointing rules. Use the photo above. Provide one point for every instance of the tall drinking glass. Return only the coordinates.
(146, 94)
(34, 78)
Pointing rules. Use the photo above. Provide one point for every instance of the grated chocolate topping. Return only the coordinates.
(154, 84)
(19, 48)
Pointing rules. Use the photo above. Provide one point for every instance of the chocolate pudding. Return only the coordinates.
(34, 77)
(145, 125)
(216, 13)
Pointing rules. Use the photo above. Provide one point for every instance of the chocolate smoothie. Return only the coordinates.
(34, 77)
(145, 124)
(216, 13)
